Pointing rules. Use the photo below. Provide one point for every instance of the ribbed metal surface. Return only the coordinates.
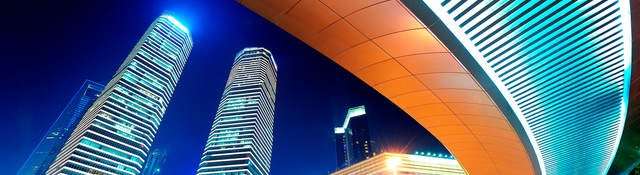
(115, 135)
(560, 64)
(241, 137)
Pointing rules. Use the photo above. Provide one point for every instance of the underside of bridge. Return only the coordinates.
(506, 87)
(628, 155)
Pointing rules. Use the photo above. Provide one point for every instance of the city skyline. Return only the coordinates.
(201, 84)
(504, 87)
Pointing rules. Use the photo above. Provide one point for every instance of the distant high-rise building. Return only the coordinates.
(403, 164)
(49, 147)
(115, 134)
(241, 137)
(353, 142)
(154, 162)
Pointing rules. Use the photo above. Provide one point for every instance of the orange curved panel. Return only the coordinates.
(368, 19)
(387, 47)
(409, 42)
(431, 63)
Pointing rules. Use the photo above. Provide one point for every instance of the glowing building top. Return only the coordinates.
(241, 137)
(394, 163)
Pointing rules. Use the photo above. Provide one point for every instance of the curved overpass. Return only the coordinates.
(507, 87)
(628, 155)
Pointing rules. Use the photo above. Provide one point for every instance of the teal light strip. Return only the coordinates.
(563, 67)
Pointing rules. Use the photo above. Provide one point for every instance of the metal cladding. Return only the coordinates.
(628, 154)
(49, 147)
(563, 66)
(241, 137)
(540, 87)
(115, 134)
(386, 46)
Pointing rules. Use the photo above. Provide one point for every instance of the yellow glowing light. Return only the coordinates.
(393, 163)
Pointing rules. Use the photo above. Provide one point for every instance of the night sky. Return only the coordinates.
(49, 48)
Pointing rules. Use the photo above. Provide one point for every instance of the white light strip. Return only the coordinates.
(625, 17)
(176, 22)
(352, 112)
(451, 25)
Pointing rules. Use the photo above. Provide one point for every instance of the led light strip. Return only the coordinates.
(443, 15)
(556, 56)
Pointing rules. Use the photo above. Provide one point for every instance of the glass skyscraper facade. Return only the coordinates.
(46, 151)
(115, 134)
(241, 137)
(353, 142)
(154, 162)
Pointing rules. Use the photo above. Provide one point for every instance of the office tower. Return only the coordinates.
(394, 163)
(59, 132)
(353, 143)
(154, 162)
(115, 134)
(241, 137)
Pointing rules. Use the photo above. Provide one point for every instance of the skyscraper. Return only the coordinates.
(154, 162)
(115, 134)
(241, 137)
(59, 132)
(353, 143)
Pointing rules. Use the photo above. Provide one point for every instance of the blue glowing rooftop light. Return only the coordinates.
(176, 22)
(434, 155)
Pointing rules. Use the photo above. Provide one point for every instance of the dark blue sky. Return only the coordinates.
(48, 49)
